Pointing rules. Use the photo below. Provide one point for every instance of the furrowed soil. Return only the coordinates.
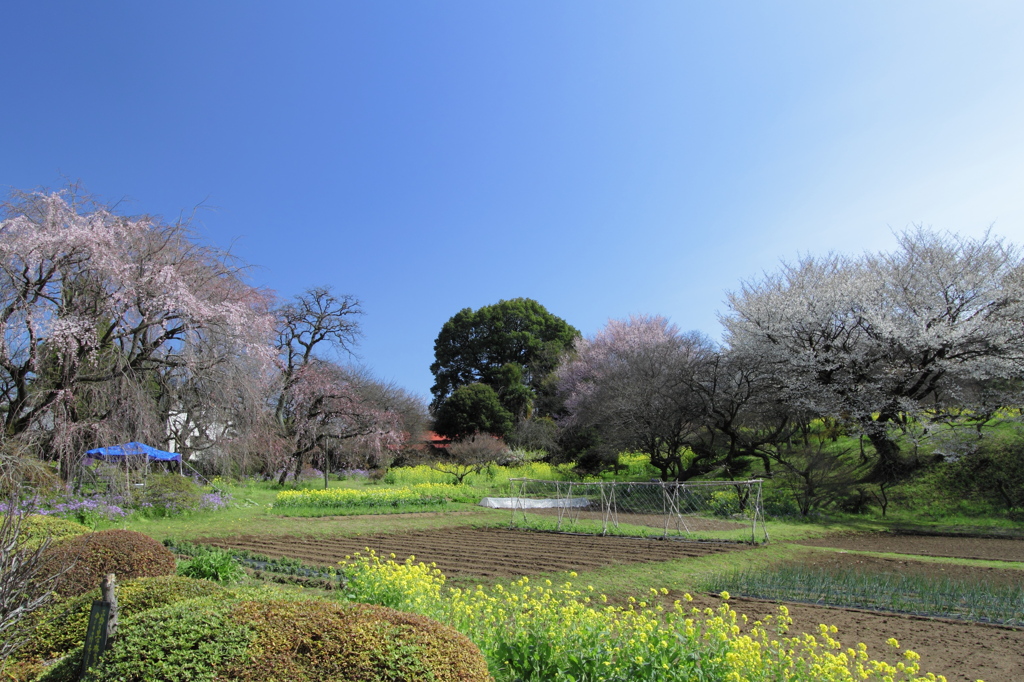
(926, 545)
(860, 563)
(484, 552)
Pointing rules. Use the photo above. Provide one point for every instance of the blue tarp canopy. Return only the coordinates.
(133, 448)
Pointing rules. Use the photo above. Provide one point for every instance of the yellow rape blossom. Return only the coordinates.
(551, 632)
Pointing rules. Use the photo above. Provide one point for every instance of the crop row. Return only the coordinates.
(903, 593)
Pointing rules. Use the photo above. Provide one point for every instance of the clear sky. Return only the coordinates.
(604, 158)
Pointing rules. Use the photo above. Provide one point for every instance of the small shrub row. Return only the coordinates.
(325, 584)
(276, 569)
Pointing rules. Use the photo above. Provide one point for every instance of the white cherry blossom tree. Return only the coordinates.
(916, 333)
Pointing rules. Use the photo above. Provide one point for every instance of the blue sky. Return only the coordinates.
(604, 158)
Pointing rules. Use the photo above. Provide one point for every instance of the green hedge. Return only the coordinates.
(273, 639)
(35, 528)
(61, 627)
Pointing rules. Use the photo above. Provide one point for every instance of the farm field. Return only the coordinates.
(475, 546)
(845, 560)
(962, 651)
(481, 552)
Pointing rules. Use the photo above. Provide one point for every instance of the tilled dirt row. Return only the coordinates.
(484, 552)
(930, 569)
(925, 545)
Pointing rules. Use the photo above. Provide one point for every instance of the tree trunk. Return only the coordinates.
(298, 469)
(888, 467)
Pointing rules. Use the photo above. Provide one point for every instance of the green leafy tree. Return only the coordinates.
(473, 409)
(511, 347)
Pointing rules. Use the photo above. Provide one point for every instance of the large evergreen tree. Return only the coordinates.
(511, 346)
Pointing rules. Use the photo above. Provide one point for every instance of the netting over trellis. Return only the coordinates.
(698, 510)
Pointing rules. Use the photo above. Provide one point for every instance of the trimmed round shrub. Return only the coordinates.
(168, 494)
(326, 641)
(126, 553)
(313, 641)
(36, 528)
(61, 627)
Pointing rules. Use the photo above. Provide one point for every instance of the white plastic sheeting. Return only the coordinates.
(526, 503)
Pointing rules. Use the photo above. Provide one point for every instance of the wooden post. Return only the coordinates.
(99, 635)
(109, 594)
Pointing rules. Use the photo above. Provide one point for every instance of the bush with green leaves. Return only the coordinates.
(211, 563)
(181, 641)
(277, 639)
(169, 494)
(61, 628)
(36, 528)
(87, 558)
(724, 503)
(778, 503)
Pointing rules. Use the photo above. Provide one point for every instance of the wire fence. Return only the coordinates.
(700, 510)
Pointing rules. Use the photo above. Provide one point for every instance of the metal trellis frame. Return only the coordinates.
(698, 510)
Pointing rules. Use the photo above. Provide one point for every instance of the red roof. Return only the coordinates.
(437, 440)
